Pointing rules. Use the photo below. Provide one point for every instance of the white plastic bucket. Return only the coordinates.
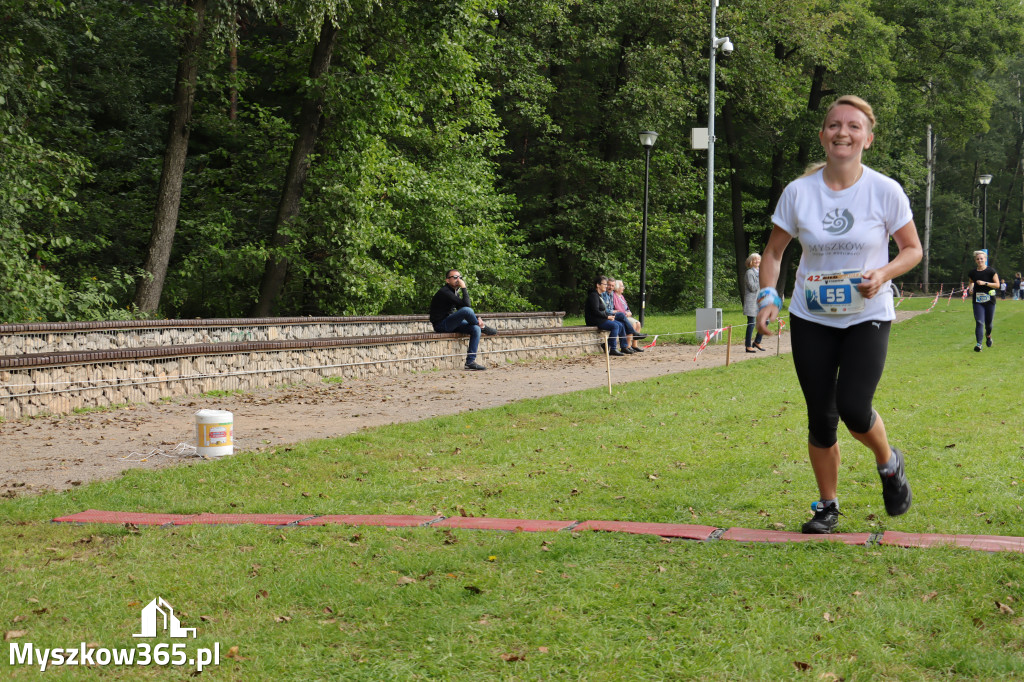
(213, 433)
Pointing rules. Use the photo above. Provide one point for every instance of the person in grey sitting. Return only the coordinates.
(450, 311)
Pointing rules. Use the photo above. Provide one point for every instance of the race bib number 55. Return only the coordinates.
(834, 293)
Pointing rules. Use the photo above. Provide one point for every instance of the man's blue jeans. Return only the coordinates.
(462, 321)
(617, 333)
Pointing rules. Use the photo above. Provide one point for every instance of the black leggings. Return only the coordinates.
(983, 314)
(839, 370)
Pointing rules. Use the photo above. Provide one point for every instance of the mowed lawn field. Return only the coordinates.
(724, 447)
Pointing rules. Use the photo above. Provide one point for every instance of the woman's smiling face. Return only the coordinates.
(846, 133)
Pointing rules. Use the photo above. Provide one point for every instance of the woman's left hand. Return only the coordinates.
(871, 283)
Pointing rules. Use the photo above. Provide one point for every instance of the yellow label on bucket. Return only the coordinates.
(214, 434)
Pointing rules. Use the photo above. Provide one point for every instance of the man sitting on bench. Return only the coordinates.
(450, 312)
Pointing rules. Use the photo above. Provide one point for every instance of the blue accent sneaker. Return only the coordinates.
(825, 519)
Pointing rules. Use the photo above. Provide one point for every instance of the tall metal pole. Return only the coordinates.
(643, 239)
(984, 219)
(710, 236)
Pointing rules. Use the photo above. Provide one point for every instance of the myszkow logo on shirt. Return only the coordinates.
(157, 619)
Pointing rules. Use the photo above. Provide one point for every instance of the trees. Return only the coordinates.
(496, 137)
(946, 58)
(165, 219)
(575, 82)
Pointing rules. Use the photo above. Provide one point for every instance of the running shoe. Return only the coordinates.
(489, 331)
(895, 489)
(988, 341)
(475, 366)
(824, 521)
(977, 349)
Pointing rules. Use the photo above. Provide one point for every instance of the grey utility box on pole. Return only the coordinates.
(708, 319)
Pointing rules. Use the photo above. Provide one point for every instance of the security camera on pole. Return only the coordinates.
(708, 318)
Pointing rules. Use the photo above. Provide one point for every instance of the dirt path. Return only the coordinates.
(56, 453)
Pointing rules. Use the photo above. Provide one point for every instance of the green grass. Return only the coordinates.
(722, 447)
(217, 393)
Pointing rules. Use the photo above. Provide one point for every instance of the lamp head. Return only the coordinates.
(648, 138)
(984, 179)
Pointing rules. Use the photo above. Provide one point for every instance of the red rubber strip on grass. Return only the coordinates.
(751, 535)
(665, 530)
(135, 518)
(395, 520)
(261, 519)
(986, 543)
(481, 523)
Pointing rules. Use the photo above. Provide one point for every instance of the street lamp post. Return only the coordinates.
(984, 181)
(647, 139)
(708, 317)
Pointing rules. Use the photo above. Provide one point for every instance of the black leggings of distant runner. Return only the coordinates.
(983, 315)
(838, 370)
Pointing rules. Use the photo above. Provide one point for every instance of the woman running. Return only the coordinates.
(983, 287)
(843, 213)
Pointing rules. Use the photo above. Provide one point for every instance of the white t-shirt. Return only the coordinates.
(841, 231)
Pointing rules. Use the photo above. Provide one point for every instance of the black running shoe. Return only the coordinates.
(895, 489)
(489, 331)
(977, 349)
(988, 341)
(824, 521)
(474, 366)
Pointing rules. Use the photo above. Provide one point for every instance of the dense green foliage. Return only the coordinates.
(496, 137)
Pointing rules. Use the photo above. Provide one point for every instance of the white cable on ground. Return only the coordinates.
(180, 451)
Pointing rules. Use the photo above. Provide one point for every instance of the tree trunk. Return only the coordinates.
(740, 239)
(165, 220)
(233, 76)
(1004, 204)
(310, 120)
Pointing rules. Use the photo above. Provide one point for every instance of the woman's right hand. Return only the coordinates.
(766, 316)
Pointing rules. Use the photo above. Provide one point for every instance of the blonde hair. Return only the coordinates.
(751, 257)
(850, 100)
(981, 253)
(855, 102)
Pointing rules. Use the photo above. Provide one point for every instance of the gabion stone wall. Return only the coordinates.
(58, 383)
(23, 339)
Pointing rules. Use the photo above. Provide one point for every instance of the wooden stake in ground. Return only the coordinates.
(608, 361)
(728, 345)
